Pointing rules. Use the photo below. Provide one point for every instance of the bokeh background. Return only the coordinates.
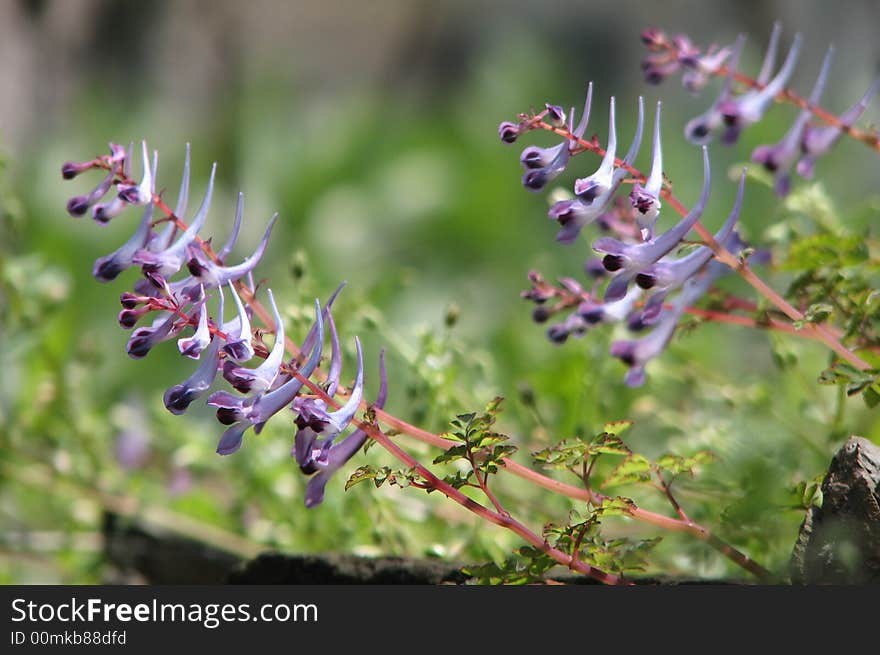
(371, 128)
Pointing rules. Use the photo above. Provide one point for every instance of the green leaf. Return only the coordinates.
(635, 468)
(677, 465)
(616, 428)
(618, 506)
(365, 473)
(451, 454)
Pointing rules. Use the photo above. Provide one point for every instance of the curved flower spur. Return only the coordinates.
(182, 277)
(634, 253)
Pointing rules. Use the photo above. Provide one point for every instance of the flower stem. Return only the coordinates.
(723, 255)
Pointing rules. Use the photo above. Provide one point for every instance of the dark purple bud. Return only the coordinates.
(541, 314)
(139, 345)
(128, 318)
(78, 206)
(508, 132)
(71, 169)
(557, 333)
(131, 300)
(535, 180)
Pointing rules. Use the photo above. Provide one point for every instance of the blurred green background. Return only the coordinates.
(371, 128)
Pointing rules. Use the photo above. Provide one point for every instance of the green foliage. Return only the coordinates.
(855, 381)
(380, 475)
(572, 453)
(580, 538)
(479, 445)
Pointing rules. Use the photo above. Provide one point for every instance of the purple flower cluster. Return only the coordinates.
(731, 113)
(639, 268)
(181, 274)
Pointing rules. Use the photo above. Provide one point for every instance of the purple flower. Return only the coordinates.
(324, 458)
(143, 339)
(312, 412)
(140, 194)
(508, 132)
(646, 199)
(818, 141)
(109, 267)
(555, 115)
(260, 379)
(637, 353)
(779, 158)
(242, 413)
(193, 346)
(668, 274)
(238, 332)
(166, 263)
(701, 68)
(599, 183)
(699, 130)
(594, 193)
(179, 397)
(672, 273)
(742, 111)
(546, 164)
(213, 275)
(628, 259)
(79, 205)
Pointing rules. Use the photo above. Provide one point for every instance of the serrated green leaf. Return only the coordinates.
(616, 428)
(608, 444)
(635, 468)
(678, 465)
(451, 454)
(365, 473)
(618, 506)
(494, 405)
